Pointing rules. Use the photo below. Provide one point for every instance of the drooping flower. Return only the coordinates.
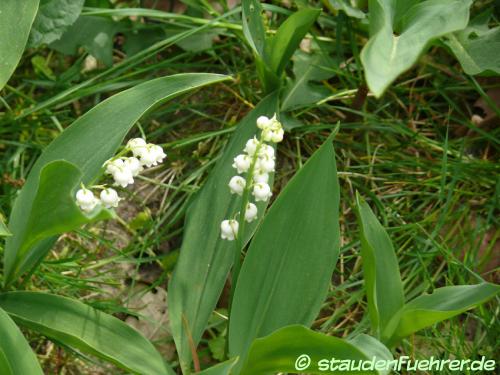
(237, 185)
(158, 152)
(263, 122)
(86, 200)
(251, 212)
(251, 146)
(266, 151)
(265, 164)
(262, 191)
(137, 146)
(123, 176)
(134, 165)
(109, 198)
(113, 165)
(229, 229)
(260, 176)
(242, 163)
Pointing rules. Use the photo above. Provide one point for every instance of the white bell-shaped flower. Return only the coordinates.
(262, 191)
(251, 146)
(86, 200)
(158, 152)
(251, 212)
(134, 165)
(229, 229)
(109, 198)
(277, 135)
(260, 176)
(263, 122)
(149, 156)
(266, 151)
(242, 163)
(237, 185)
(137, 146)
(265, 164)
(113, 165)
(123, 177)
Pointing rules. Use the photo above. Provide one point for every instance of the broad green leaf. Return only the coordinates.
(287, 271)
(16, 18)
(442, 304)
(88, 143)
(54, 210)
(253, 25)
(401, 30)
(94, 34)
(16, 356)
(4, 231)
(307, 68)
(84, 328)
(477, 46)
(384, 289)
(205, 259)
(223, 368)
(371, 348)
(53, 19)
(349, 7)
(298, 349)
(281, 47)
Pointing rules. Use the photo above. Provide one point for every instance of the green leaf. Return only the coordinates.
(16, 356)
(442, 304)
(205, 259)
(307, 68)
(53, 19)
(16, 18)
(290, 349)
(54, 210)
(88, 143)
(253, 25)
(477, 46)
(84, 328)
(4, 231)
(94, 34)
(287, 271)
(384, 289)
(223, 368)
(401, 30)
(348, 7)
(282, 46)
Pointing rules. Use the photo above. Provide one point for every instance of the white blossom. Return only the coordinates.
(123, 176)
(86, 200)
(134, 165)
(109, 198)
(263, 122)
(266, 151)
(242, 163)
(229, 229)
(260, 176)
(251, 212)
(113, 165)
(137, 146)
(149, 156)
(237, 185)
(265, 165)
(277, 135)
(251, 146)
(158, 152)
(261, 191)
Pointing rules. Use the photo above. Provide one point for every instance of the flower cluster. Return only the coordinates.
(257, 161)
(123, 170)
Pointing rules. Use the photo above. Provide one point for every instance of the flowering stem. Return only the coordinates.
(241, 222)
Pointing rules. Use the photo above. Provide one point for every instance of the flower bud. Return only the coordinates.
(237, 185)
(263, 122)
(251, 146)
(109, 198)
(229, 229)
(261, 191)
